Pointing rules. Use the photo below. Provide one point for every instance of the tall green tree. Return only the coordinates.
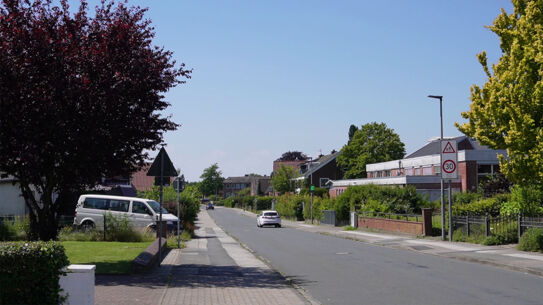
(507, 113)
(212, 180)
(81, 98)
(373, 142)
(282, 179)
(352, 130)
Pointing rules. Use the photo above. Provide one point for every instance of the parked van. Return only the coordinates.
(144, 213)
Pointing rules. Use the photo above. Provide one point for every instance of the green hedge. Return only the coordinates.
(29, 272)
(490, 206)
(375, 198)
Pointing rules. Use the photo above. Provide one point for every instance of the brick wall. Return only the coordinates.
(467, 171)
(391, 225)
(293, 164)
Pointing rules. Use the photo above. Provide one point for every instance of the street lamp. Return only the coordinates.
(440, 162)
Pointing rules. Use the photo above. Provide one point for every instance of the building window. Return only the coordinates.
(437, 169)
(427, 170)
(417, 171)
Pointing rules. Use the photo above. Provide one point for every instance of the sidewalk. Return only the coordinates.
(505, 256)
(213, 268)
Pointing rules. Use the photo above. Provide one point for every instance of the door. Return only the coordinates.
(141, 215)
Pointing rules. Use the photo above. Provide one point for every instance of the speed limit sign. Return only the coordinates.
(449, 150)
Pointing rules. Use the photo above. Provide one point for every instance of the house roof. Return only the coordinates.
(322, 161)
(245, 179)
(434, 147)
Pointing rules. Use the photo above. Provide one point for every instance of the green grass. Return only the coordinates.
(109, 257)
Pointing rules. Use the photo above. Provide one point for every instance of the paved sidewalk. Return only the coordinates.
(215, 269)
(505, 256)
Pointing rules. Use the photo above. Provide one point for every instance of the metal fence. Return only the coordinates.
(496, 225)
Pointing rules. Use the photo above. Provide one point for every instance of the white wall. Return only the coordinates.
(11, 201)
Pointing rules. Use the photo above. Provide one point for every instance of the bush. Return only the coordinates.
(16, 229)
(531, 240)
(318, 192)
(264, 203)
(491, 206)
(463, 198)
(319, 205)
(389, 199)
(29, 272)
(527, 200)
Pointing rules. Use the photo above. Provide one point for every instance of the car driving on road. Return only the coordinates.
(210, 206)
(268, 218)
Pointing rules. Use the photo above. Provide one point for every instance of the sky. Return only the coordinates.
(276, 76)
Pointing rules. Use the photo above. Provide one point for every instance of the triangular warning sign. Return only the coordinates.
(169, 169)
(448, 149)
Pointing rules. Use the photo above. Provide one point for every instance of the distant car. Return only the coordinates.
(268, 218)
(210, 206)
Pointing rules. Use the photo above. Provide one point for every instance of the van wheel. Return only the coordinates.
(87, 226)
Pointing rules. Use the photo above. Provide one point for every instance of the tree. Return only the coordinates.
(352, 130)
(212, 181)
(81, 98)
(372, 143)
(507, 113)
(293, 156)
(282, 179)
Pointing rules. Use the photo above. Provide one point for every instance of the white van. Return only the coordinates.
(144, 213)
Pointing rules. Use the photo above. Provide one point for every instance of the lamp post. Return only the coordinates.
(440, 162)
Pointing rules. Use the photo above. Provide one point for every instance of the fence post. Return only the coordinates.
(519, 226)
(467, 224)
(487, 226)
(427, 221)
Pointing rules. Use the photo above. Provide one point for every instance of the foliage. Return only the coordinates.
(212, 181)
(491, 206)
(228, 202)
(109, 257)
(531, 240)
(376, 198)
(293, 156)
(372, 143)
(282, 179)
(494, 184)
(29, 272)
(319, 192)
(264, 203)
(352, 130)
(506, 112)
(461, 236)
(527, 200)
(508, 237)
(82, 98)
(290, 206)
(16, 229)
(349, 228)
(184, 237)
(463, 198)
(319, 205)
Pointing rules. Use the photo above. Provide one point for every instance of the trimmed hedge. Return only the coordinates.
(490, 206)
(29, 272)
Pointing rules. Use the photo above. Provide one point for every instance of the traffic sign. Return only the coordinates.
(449, 151)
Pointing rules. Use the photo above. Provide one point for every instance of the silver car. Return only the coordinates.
(268, 218)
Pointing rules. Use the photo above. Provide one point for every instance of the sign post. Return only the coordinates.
(161, 167)
(312, 190)
(449, 171)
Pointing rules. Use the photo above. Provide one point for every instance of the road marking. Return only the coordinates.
(528, 256)
(382, 236)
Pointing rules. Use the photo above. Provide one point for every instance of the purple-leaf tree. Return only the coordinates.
(80, 98)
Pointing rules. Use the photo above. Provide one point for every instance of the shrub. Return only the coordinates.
(7, 231)
(390, 199)
(228, 202)
(524, 199)
(350, 228)
(491, 206)
(319, 205)
(264, 203)
(531, 240)
(29, 272)
(463, 198)
(318, 192)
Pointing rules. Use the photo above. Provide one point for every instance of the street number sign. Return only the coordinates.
(449, 153)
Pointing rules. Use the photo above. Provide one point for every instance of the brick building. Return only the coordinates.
(422, 169)
(258, 184)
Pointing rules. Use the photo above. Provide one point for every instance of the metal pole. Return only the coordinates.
(178, 218)
(440, 163)
(311, 207)
(160, 207)
(450, 212)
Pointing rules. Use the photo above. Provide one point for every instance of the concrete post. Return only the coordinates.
(354, 220)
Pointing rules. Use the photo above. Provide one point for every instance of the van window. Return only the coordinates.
(95, 203)
(156, 207)
(119, 205)
(139, 207)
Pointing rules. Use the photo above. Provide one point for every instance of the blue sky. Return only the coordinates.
(274, 76)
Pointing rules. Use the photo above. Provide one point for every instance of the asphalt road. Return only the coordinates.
(340, 271)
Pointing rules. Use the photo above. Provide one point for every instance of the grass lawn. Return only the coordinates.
(109, 257)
